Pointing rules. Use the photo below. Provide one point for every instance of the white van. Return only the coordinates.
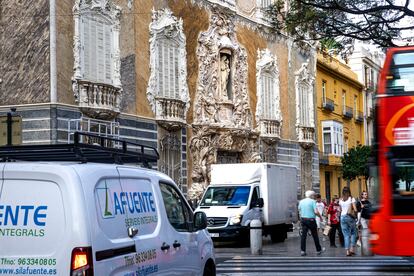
(71, 218)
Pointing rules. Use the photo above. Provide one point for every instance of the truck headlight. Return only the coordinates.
(235, 220)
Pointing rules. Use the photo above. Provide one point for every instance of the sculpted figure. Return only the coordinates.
(225, 73)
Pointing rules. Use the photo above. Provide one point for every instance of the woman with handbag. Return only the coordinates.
(348, 220)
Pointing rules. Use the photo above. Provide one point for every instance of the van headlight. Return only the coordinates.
(235, 220)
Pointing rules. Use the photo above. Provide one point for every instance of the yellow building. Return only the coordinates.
(340, 121)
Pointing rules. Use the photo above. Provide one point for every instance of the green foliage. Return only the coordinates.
(376, 21)
(354, 162)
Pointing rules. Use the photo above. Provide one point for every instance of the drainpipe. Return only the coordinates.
(53, 75)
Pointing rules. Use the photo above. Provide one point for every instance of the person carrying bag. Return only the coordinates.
(348, 220)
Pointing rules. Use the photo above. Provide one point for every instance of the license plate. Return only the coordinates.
(214, 235)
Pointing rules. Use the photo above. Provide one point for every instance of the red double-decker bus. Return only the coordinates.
(392, 225)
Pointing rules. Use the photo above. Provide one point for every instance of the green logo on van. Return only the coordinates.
(105, 200)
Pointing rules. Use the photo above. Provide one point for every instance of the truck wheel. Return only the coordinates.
(278, 236)
(209, 269)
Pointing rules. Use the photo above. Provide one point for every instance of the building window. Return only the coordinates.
(168, 62)
(96, 38)
(304, 96)
(268, 103)
(268, 91)
(265, 3)
(332, 136)
(168, 54)
(324, 91)
(343, 98)
(356, 104)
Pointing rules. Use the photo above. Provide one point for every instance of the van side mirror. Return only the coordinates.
(200, 221)
(259, 203)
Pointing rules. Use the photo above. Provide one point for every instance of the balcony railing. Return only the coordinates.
(170, 112)
(97, 100)
(328, 104)
(306, 136)
(347, 112)
(370, 85)
(359, 117)
(323, 158)
(269, 129)
(370, 112)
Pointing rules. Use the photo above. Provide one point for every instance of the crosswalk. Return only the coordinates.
(289, 266)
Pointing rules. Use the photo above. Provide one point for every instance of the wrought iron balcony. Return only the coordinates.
(347, 112)
(328, 104)
(359, 117)
(97, 100)
(323, 158)
(370, 112)
(269, 129)
(170, 113)
(306, 136)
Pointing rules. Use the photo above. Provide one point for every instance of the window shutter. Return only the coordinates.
(108, 54)
(85, 35)
(160, 68)
(100, 52)
(92, 50)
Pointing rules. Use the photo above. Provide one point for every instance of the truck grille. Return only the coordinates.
(216, 221)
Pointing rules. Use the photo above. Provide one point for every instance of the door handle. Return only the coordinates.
(176, 244)
(132, 232)
(165, 246)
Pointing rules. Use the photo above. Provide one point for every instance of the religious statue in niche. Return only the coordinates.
(225, 70)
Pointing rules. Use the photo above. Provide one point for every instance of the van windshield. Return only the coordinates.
(226, 196)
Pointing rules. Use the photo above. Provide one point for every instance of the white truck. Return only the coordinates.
(239, 193)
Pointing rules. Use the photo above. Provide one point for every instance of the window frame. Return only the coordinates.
(187, 210)
(336, 134)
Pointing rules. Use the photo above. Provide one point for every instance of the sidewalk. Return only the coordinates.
(289, 248)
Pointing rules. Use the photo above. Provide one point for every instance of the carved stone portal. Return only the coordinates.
(222, 116)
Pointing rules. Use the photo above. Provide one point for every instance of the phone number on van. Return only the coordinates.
(36, 261)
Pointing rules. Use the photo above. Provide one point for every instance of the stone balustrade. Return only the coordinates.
(269, 128)
(98, 100)
(306, 136)
(170, 112)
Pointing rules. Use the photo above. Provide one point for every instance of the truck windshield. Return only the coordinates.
(226, 196)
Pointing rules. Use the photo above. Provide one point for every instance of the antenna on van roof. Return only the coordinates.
(86, 147)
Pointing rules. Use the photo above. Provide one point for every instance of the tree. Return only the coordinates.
(354, 162)
(377, 21)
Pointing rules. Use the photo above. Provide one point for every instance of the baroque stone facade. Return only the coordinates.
(204, 81)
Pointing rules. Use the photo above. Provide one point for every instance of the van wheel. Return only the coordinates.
(209, 269)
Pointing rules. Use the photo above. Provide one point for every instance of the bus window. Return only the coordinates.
(403, 188)
(404, 178)
(401, 75)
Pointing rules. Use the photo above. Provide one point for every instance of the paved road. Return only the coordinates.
(284, 259)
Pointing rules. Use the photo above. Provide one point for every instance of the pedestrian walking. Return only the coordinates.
(308, 213)
(320, 206)
(348, 220)
(334, 215)
(363, 206)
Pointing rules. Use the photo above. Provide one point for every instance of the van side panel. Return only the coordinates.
(39, 219)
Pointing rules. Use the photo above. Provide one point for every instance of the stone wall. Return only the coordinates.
(24, 52)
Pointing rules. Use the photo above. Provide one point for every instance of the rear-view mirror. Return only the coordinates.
(200, 221)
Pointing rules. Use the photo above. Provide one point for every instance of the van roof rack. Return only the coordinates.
(86, 147)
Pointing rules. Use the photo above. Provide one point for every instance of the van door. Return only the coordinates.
(183, 241)
(113, 250)
(142, 203)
